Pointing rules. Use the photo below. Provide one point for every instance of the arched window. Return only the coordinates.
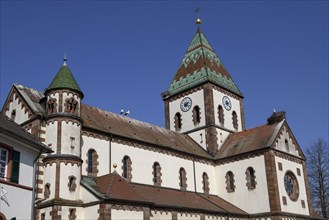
(196, 115)
(46, 192)
(235, 120)
(251, 178)
(71, 105)
(92, 163)
(43, 216)
(126, 168)
(13, 114)
(205, 183)
(51, 105)
(230, 187)
(156, 174)
(286, 144)
(178, 121)
(221, 114)
(72, 183)
(72, 215)
(182, 179)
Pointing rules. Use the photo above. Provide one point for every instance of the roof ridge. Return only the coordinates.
(133, 119)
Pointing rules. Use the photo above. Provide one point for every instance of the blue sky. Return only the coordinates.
(124, 54)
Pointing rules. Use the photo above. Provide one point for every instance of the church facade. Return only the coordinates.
(203, 165)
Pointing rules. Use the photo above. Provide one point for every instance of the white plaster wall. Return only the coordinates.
(200, 168)
(187, 117)
(90, 212)
(142, 168)
(26, 166)
(160, 215)
(49, 177)
(66, 171)
(102, 149)
(69, 95)
(228, 122)
(69, 130)
(126, 215)
(221, 137)
(199, 137)
(86, 196)
(21, 116)
(51, 135)
(292, 206)
(183, 216)
(241, 196)
(19, 202)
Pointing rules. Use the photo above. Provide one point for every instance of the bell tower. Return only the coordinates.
(202, 100)
(63, 127)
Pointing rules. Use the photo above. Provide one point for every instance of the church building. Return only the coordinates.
(205, 164)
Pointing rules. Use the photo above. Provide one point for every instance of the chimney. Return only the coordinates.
(276, 117)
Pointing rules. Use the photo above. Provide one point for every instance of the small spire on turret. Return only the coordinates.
(65, 60)
(198, 20)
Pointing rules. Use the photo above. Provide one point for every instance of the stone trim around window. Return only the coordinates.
(72, 214)
(157, 174)
(127, 168)
(47, 192)
(72, 183)
(205, 183)
(251, 178)
(92, 167)
(196, 114)
(182, 179)
(230, 187)
(178, 121)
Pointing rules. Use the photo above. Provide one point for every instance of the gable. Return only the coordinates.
(286, 142)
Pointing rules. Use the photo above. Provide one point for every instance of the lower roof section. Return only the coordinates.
(113, 187)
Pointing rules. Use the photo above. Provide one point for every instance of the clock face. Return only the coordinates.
(186, 104)
(227, 103)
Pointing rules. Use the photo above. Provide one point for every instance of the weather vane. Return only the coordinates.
(197, 11)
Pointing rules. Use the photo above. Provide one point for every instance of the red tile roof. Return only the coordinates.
(114, 187)
(248, 140)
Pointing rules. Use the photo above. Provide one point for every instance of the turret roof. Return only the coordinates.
(64, 79)
(199, 65)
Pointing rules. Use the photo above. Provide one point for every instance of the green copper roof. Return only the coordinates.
(64, 79)
(199, 65)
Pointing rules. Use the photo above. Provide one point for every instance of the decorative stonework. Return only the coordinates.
(284, 200)
(220, 113)
(127, 168)
(148, 147)
(182, 179)
(156, 173)
(230, 186)
(196, 115)
(291, 185)
(92, 163)
(178, 121)
(72, 214)
(72, 183)
(250, 178)
(205, 183)
(51, 106)
(55, 213)
(280, 166)
(47, 192)
(288, 157)
(71, 105)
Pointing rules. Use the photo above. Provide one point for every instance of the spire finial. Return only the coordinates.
(197, 11)
(65, 59)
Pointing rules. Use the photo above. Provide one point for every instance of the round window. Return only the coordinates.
(291, 186)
